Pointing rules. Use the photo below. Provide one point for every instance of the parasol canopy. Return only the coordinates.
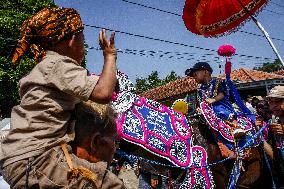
(211, 18)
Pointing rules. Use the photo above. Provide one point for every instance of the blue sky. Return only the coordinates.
(126, 17)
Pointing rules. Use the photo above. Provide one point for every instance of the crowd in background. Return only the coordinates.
(269, 111)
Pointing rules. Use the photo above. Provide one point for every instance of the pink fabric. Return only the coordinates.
(114, 97)
(226, 50)
(202, 169)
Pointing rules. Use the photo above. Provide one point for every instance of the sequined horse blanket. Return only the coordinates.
(159, 130)
(223, 131)
(151, 125)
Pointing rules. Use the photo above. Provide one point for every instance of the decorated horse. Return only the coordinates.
(189, 144)
(183, 144)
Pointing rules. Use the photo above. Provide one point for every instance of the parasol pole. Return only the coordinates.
(268, 38)
(264, 33)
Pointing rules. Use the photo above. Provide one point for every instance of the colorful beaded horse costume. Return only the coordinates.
(161, 131)
(218, 112)
(219, 117)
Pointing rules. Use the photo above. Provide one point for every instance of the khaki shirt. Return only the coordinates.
(50, 170)
(105, 178)
(48, 96)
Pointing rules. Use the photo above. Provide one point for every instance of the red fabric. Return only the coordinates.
(208, 12)
(228, 67)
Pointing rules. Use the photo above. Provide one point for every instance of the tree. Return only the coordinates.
(169, 78)
(12, 15)
(153, 81)
(270, 67)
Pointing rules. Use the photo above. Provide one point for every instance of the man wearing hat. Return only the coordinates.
(276, 105)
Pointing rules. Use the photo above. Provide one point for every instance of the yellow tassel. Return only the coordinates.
(84, 172)
(77, 171)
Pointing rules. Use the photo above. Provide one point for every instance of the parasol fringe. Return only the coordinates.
(235, 29)
(199, 13)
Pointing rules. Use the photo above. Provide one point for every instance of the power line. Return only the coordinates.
(164, 11)
(168, 12)
(273, 12)
(165, 54)
(161, 53)
(170, 42)
(277, 4)
(149, 7)
(148, 37)
(250, 33)
(174, 55)
(177, 55)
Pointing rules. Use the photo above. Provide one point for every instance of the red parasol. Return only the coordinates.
(212, 18)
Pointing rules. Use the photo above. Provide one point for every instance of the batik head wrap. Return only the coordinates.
(46, 28)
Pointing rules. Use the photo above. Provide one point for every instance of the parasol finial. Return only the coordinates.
(227, 51)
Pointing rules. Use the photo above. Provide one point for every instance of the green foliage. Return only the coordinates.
(12, 15)
(169, 78)
(270, 67)
(153, 81)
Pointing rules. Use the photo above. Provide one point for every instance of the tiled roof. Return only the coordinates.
(243, 75)
(180, 86)
(187, 84)
(279, 72)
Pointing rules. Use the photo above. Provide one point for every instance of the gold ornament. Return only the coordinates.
(180, 105)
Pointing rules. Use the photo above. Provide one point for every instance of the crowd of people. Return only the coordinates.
(271, 111)
(42, 150)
